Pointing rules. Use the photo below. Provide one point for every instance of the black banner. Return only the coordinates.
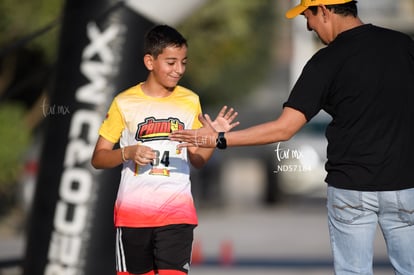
(71, 228)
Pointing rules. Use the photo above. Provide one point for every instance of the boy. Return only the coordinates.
(154, 211)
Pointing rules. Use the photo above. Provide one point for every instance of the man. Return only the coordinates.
(363, 78)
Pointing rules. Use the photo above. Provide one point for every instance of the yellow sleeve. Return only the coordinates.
(113, 125)
(197, 124)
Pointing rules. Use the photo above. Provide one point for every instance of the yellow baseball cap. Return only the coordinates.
(304, 4)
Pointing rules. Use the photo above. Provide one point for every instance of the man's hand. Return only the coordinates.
(203, 137)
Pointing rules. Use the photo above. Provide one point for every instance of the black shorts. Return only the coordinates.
(140, 250)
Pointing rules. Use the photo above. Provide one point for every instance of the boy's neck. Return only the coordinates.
(155, 90)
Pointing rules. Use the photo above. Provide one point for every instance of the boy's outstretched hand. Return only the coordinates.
(207, 135)
(224, 120)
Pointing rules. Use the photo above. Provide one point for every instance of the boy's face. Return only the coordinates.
(168, 68)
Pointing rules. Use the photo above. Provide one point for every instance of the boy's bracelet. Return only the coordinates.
(123, 154)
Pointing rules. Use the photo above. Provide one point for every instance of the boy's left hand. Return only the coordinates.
(224, 120)
(206, 136)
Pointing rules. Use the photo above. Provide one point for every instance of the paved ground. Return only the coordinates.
(287, 239)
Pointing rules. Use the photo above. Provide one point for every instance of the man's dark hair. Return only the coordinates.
(347, 9)
(160, 37)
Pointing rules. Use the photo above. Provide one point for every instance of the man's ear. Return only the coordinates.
(325, 12)
(148, 62)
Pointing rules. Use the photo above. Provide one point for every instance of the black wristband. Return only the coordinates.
(221, 142)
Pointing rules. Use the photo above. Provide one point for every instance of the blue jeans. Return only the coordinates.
(353, 217)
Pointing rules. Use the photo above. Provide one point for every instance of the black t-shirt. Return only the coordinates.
(365, 80)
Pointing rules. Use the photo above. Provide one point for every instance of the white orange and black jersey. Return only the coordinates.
(159, 193)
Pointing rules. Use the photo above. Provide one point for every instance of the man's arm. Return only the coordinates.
(281, 129)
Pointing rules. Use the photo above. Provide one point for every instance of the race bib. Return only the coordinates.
(168, 160)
